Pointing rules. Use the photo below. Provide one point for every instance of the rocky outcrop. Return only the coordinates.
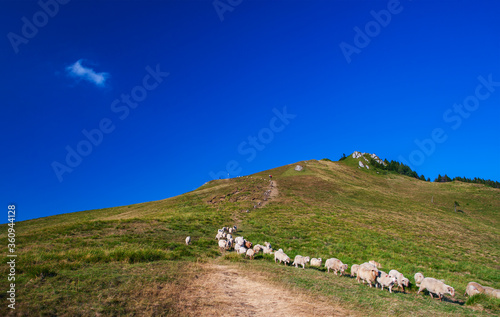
(374, 156)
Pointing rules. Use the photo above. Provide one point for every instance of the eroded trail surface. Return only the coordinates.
(272, 192)
(227, 291)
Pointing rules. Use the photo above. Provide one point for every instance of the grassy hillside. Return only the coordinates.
(133, 260)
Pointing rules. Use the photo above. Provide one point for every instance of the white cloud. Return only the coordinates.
(79, 71)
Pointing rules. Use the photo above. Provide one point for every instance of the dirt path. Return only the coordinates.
(227, 291)
(273, 187)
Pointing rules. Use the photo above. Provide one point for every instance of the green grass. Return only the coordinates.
(97, 261)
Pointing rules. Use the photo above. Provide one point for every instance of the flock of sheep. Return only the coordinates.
(367, 272)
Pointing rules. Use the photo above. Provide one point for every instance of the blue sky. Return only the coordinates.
(109, 103)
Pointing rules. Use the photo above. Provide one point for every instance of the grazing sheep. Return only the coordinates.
(419, 277)
(267, 244)
(491, 291)
(248, 244)
(368, 274)
(401, 280)
(277, 255)
(368, 265)
(285, 258)
(235, 228)
(241, 250)
(224, 229)
(239, 240)
(354, 269)
(281, 257)
(188, 240)
(300, 260)
(231, 230)
(218, 236)
(336, 265)
(405, 282)
(378, 265)
(267, 250)
(222, 245)
(473, 288)
(435, 286)
(386, 280)
(250, 253)
(257, 248)
(229, 236)
(316, 262)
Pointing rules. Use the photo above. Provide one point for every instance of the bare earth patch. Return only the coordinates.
(228, 291)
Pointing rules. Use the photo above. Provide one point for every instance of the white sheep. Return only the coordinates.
(229, 236)
(218, 236)
(419, 277)
(188, 240)
(491, 291)
(401, 280)
(405, 282)
(241, 250)
(386, 280)
(378, 265)
(368, 265)
(250, 253)
(436, 286)
(239, 240)
(257, 248)
(354, 269)
(267, 250)
(367, 273)
(281, 257)
(277, 255)
(222, 245)
(473, 288)
(267, 244)
(336, 265)
(300, 260)
(231, 230)
(316, 262)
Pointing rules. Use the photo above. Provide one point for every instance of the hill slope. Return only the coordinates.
(133, 260)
